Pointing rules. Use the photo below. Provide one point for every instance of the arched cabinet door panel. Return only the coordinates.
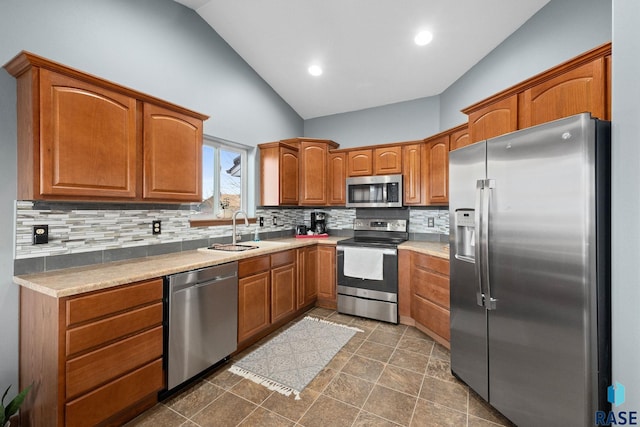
(88, 139)
(437, 164)
(172, 155)
(360, 162)
(496, 119)
(577, 91)
(387, 160)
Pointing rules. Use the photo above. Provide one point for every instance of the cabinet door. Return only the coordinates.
(172, 155)
(307, 276)
(288, 176)
(359, 163)
(283, 291)
(413, 186)
(327, 276)
(311, 275)
(437, 163)
(337, 173)
(88, 140)
(313, 180)
(459, 139)
(387, 161)
(253, 305)
(496, 119)
(580, 90)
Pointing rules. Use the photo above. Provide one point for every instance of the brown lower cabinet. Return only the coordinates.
(327, 277)
(254, 296)
(283, 285)
(273, 289)
(94, 358)
(424, 293)
(307, 276)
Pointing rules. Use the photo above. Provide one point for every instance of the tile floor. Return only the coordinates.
(389, 375)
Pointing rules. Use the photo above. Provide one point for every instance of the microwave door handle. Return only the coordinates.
(478, 231)
(384, 193)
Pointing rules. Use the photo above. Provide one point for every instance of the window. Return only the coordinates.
(224, 182)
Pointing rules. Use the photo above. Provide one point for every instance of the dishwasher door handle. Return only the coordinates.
(185, 288)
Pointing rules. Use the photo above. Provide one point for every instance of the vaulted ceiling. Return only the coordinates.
(365, 47)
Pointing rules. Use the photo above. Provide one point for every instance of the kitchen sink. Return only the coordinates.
(231, 248)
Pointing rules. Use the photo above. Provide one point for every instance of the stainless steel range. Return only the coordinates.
(368, 269)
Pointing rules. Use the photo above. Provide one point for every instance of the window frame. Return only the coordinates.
(222, 144)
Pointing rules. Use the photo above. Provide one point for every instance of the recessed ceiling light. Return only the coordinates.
(315, 70)
(423, 38)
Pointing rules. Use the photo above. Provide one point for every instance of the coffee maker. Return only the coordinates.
(318, 222)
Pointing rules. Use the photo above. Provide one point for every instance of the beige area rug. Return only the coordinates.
(289, 361)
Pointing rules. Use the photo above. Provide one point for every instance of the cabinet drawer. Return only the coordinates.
(283, 258)
(101, 304)
(431, 286)
(428, 262)
(112, 398)
(106, 330)
(248, 267)
(100, 366)
(431, 316)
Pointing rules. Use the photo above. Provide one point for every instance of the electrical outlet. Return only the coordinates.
(275, 220)
(261, 220)
(40, 234)
(430, 222)
(156, 227)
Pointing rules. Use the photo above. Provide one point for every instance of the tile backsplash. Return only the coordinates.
(81, 234)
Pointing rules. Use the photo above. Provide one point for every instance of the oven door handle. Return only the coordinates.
(385, 251)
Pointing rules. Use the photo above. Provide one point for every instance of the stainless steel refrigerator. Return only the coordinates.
(530, 276)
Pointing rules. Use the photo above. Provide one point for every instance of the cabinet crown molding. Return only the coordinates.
(25, 60)
(584, 58)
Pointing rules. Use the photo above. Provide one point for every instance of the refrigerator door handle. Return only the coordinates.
(478, 251)
(489, 184)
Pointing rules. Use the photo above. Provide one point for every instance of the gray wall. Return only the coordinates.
(155, 46)
(404, 121)
(625, 288)
(559, 31)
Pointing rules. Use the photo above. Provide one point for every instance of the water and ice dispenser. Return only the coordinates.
(465, 223)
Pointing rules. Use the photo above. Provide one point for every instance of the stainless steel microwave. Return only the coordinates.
(380, 191)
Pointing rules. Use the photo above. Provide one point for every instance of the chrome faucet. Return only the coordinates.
(233, 219)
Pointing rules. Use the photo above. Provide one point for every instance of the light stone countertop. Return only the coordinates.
(437, 249)
(78, 280)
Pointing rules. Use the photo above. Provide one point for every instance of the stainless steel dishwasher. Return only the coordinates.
(201, 320)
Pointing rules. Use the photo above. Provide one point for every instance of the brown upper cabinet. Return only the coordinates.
(387, 160)
(413, 178)
(436, 161)
(296, 172)
(459, 137)
(580, 89)
(171, 139)
(337, 188)
(314, 171)
(81, 137)
(495, 119)
(278, 174)
(582, 84)
(360, 162)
